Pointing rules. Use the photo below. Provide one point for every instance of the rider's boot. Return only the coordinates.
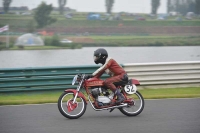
(120, 97)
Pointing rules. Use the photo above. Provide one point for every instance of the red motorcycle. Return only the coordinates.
(72, 103)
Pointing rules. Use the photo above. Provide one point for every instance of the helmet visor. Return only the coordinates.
(95, 58)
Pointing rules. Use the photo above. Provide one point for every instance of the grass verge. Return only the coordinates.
(21, 22)
(52, 97)
(112, 41)
(148, 40)
(37, 48)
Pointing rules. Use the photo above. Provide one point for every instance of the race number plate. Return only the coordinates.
(130, 89)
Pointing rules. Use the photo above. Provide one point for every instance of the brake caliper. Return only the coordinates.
(71, 106)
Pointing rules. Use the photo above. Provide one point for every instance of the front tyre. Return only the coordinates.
(136, 108)
(69, 109)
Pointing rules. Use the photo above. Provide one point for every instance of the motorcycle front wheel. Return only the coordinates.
(136, 108)
(69, 109)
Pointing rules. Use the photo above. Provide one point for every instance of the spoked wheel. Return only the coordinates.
(136, 107)
(69, 109)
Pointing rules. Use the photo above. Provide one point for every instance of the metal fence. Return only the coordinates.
(43, 79)
(59, 78)
(165, 73)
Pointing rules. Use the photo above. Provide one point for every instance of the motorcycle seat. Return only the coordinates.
(124, 81)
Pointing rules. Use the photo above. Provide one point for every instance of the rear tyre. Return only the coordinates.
(69, 109)
(137, 108)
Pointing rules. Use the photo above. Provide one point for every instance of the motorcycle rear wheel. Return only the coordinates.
(70, 110)
(137, 108)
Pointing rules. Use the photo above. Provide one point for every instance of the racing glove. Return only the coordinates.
(88, 76)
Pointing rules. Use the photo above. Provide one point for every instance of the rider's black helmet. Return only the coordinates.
(100, 56)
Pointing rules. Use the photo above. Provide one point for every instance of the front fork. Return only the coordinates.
(75, 97)
(76, 94)
(77, 90)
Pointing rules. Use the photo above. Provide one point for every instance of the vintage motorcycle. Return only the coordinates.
(72, 103)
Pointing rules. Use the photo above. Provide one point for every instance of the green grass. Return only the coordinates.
(126, 37)
(119, 41)
(23, 21)
(37, 48)
(27, 98)
(146, 40)
(171, 93)
(52, 97)
(17, 22)
(66, 46)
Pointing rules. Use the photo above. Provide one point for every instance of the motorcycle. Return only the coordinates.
(72, 103)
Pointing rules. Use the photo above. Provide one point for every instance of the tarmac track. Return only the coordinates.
(158, 116)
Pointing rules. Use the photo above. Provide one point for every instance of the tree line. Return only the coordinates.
(42, 12)
(181, 6)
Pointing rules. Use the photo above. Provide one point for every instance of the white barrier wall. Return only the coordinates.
(165, 73)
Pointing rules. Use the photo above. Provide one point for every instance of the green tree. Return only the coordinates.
(109, 5)
(197, 6)
(191, 6)
(62, 4)
(6, 4)
(185, 6)
(30, 26)
(154, 6)
(42, 15)
(52, 41)
(170, 6)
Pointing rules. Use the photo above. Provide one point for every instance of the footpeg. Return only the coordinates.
(112, 110)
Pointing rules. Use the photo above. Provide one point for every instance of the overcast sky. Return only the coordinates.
(132, 6)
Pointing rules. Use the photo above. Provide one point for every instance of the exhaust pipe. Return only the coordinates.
(113, 107)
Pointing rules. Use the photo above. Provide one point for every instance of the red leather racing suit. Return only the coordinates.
(112, 68)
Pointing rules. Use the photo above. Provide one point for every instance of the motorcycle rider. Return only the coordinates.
(111, 67)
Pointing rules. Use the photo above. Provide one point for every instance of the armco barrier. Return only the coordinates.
(34, 79)
(59, 78)
(165, 73)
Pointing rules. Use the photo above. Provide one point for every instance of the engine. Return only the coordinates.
(96, 93)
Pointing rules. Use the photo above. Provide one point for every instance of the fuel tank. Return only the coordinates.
(94, 82)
